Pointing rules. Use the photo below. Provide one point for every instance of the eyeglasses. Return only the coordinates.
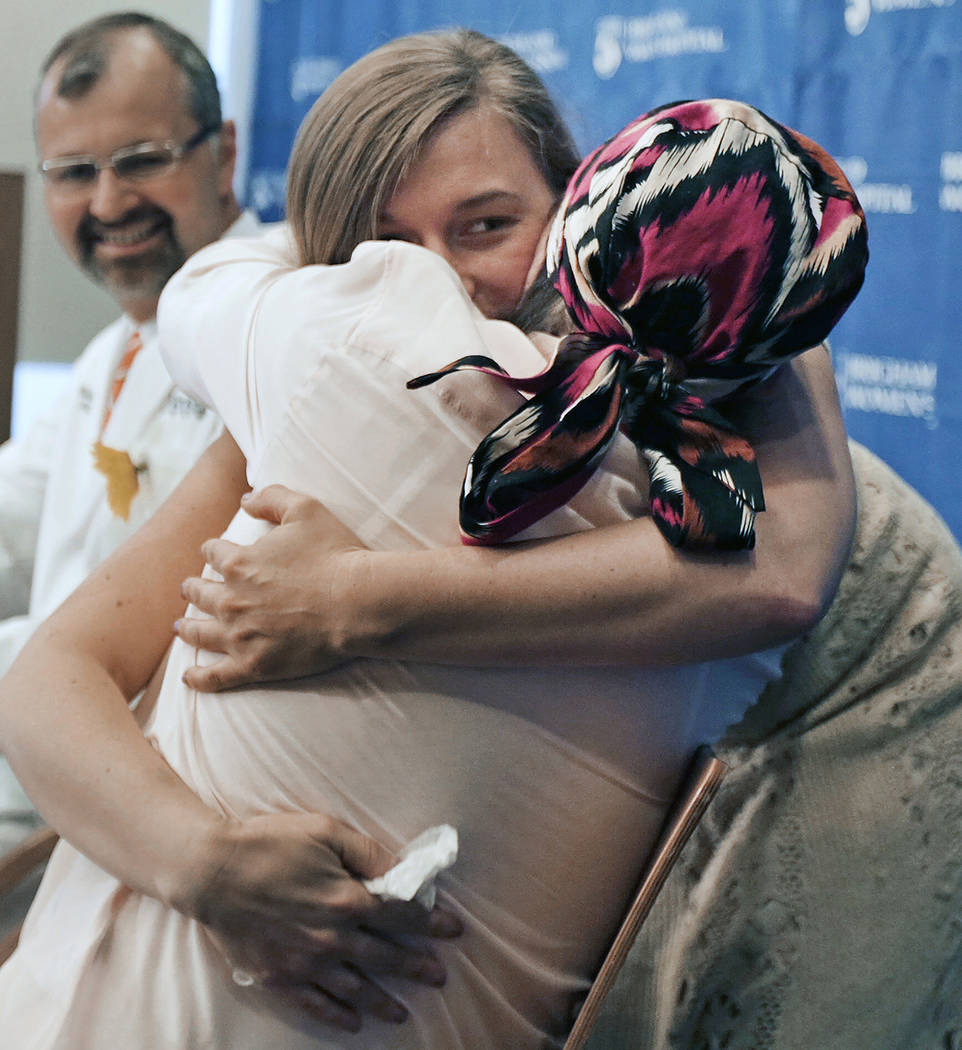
(146, 160)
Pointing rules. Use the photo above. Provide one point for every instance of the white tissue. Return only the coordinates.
(422, 859)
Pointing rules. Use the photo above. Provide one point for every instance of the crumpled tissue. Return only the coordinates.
(422, 860)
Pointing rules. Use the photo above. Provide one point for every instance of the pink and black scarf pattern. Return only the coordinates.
(696, 251)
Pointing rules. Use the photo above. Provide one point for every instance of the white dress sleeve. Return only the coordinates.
(256, 337)
(241, 326)
(238, 325)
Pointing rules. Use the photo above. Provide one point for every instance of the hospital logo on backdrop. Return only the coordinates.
(312, 74)
(950, 192)
(540, 48)
(858, 12)
(889, 386)
(267, 193)
(644, 38)
(882, 198)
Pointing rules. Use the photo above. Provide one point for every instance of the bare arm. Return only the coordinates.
(86, 663)
(279, 892)
(306, 596)
(622, 594)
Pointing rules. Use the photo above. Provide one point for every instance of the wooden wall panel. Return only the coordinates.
(11, 250)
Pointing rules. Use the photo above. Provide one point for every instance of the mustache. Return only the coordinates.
(92, 229)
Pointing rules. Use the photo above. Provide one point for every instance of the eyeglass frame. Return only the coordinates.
(177, 151)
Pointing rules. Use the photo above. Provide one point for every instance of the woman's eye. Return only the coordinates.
(489, 224)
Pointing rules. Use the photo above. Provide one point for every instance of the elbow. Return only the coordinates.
(807, 592)
(827, 565)
(805, 566)
(786, 615)
(800, 589)
(800, 612)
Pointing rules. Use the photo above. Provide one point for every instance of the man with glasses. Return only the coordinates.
(137, 167)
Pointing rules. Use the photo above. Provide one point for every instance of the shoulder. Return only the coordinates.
(425, 319)
(410, 267)
(247, 224)
(275, 248)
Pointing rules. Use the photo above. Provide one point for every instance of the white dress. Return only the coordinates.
(557, 781)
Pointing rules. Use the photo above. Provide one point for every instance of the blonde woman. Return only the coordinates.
(542, 772)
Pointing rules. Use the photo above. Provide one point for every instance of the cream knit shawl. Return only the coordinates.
(819, 905)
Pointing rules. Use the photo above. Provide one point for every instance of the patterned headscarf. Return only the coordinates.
(697, 250)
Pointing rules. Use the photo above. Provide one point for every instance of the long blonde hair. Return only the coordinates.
(362, 135)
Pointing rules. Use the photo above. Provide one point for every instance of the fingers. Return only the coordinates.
(371, 998)
(229, 671)
(202, 594)
(375, 955)
(203, 634)
(325, 1008)
(214, 637)
(217, 677)
(360, 854)
(444, 924)
(284, 506)
(341, 996)
(408, 918)
(366, 954)
(222, 555)
(326, 984)
(273, 503)
(350, 953)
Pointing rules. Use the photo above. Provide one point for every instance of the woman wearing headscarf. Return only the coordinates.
(846, 759)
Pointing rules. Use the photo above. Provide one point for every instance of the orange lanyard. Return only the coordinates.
(134, 345)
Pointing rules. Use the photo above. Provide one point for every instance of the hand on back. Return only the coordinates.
(277, 612)
(285, 905)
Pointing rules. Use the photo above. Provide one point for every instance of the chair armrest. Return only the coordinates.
(701, 782)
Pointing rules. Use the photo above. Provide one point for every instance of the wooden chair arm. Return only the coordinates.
(16, 866)
(702, 781)
(27, 855)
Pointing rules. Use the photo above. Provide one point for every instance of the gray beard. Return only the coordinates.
(141, 278)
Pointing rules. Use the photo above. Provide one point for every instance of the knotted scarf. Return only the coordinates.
(696, 250)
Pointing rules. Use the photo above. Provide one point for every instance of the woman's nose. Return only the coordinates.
(470, 285)
(440, 246)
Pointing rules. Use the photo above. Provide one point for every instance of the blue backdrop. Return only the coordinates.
(877, 82)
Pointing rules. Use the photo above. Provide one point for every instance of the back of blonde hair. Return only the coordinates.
(361, 136)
